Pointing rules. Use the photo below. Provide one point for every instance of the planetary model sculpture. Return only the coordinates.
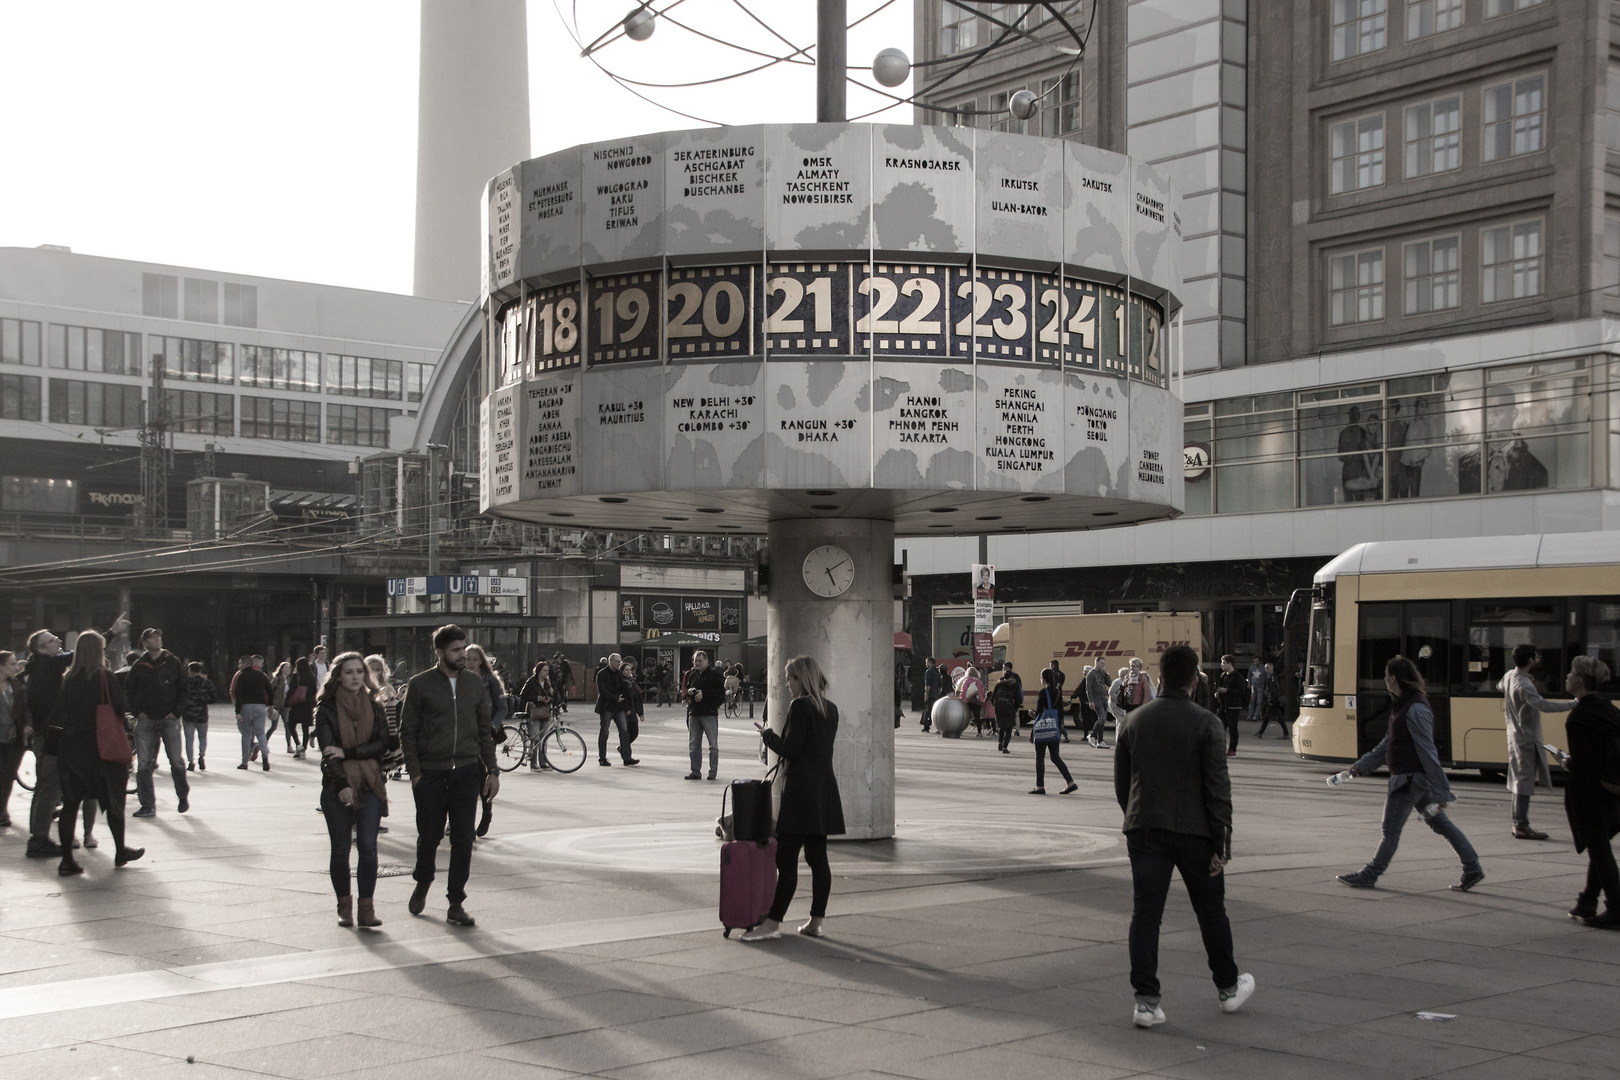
(832, 334)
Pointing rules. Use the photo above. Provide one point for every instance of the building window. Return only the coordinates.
(1513, 117)
(275, 418)
(1612, 131)
(281, 369)
(1358, 27)
(1432, 275)
(362, 376)
(416, 380)
(19, 397)
(958, 28)
(964, 115)
(78, 348)
(358, 425)
(202, 300)
(196, 361)
(107, 405)
(38, 495)
(1493, 8)
(1004, 119)
(1432, 137)
(1511, 256)
(1425, 17)
(1357, 284)
(241, 304)
(19, 342)
(1060, 104)
(1357, 154)
(200, 412)
(1611, 256)
(160, 296)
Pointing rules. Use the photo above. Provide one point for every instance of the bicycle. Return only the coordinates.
(732, 699)
(25, 770)
(560, 747)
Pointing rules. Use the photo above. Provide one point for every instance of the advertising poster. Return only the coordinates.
(984, 614)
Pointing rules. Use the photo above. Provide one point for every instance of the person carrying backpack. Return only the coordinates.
(199, 695)
(1592, 793)
(1007, 696)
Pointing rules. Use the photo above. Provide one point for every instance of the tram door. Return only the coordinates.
(1419, 631)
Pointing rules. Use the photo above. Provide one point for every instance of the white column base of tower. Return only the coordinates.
(851, 636)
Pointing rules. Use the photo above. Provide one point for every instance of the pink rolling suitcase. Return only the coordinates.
(747, 883)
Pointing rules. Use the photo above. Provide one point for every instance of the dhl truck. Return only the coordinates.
(1075, 641)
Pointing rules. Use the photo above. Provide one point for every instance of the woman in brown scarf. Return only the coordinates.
(352, 731)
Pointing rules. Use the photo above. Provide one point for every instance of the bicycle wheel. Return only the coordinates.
(25, 771)
(564, 750)
(510, 754)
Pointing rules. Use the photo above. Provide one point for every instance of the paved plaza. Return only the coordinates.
(986, 941)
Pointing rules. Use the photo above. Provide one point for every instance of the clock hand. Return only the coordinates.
(831, 578)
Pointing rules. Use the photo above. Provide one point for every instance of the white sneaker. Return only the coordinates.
(1232, 1000)
(1152, 1016)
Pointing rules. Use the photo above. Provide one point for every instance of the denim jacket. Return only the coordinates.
(1420, 724)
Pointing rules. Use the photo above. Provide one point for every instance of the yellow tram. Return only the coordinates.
(1455, 608)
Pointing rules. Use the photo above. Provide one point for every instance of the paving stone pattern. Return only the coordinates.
(222, 945)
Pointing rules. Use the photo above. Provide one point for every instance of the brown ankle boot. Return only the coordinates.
(368, 913)
(345, 911)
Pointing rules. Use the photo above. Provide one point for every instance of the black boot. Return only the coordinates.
(483, 822)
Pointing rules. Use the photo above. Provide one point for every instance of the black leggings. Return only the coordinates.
(1602, 876)
(115, 781)
(1041, 750)
(787, 873)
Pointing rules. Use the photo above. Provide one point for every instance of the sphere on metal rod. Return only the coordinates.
(891, 67)
(1023, 104)
(639, 24)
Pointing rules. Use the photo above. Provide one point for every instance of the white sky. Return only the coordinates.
(279, 138)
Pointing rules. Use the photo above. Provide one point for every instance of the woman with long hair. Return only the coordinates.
(1593, 728)
(1050, 697)
(391, 701)
(352, 731)
(811, 810)
(87, 685)
(537, 695)
(280, 683)
(480, 663)
(971, 691)
(1416, 780)
(301, 690)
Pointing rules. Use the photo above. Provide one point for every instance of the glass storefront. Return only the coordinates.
(1526, 427)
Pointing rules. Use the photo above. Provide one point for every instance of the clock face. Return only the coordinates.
(828, 571)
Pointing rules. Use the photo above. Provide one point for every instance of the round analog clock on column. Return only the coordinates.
(828, 571)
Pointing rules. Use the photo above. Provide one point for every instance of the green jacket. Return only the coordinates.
(438, 732)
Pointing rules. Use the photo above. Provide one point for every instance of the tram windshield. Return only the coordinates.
(1319, 650)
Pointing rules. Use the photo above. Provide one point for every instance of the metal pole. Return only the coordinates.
(832, 59)
(432, 510)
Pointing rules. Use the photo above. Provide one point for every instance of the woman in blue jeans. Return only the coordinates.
(352, 731)
(1416, 780)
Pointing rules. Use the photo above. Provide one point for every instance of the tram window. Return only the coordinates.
(1603, 640)
(1495, 627)
(1319, 665)
(1428, 644)
(1380, 640)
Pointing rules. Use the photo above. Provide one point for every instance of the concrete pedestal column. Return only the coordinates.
(852, 636)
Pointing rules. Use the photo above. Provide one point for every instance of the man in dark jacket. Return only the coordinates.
(1170, 779)
(156, 693)
(251, 691)
(704, 692)
(613, 707)
(932, 682)
(449, 751)
(1231, 698)
(47, 661)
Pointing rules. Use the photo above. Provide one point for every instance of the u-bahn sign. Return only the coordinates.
(962, 326)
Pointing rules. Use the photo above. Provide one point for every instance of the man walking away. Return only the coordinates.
(1271, 704)
(449, 752)
(1170, 779)
(250, 697)
(704, 691)
(1231, 695)
(932, 681)
(1007, 696)
(1097, 684)
(1522, 706)
(199, 695)
(156, 693)
(1257, 687)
